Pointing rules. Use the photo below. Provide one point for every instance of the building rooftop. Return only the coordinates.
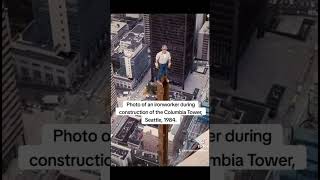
(145, 158)
(119, 56)
(37, 53)
(231, 109)
(126, 129)
(200, 157)
(120, 151)
(138, 29)
(134, 37)
(205, 28)
(29, 44)
(136, 137)
(154, 132)
(36, 37)
(180, 95)
(116, 26)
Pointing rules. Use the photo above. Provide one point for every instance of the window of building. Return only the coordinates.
(47, 68)
(24, 71)
(61, 21)
(60, 71)
(35, 64)
(62, 29)
(23, 62)
(62, 81)
(36, 75)
(49, 78)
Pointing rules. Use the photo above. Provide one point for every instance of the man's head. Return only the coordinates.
(164, 48)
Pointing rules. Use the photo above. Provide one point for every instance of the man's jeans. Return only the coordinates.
(163, 70)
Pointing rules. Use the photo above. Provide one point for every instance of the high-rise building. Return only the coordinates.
(118, 16)
(42, 21)
(234, 23)
(113, 93)
(118, 29)
(74, 26)
(203, 42)
(120, 155)
(134, 16)
(131, 59)
(12, 125)
(177, 32)
(200, 19)
(146, 28)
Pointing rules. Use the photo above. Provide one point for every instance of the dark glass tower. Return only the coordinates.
(233, 22)
(86, 28)
(177, 32)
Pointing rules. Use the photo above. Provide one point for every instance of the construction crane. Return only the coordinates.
(163, 95)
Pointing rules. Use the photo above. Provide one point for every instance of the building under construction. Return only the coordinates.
(234, 22)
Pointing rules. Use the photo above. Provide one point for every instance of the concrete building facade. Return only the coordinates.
(132, 58)
(120, 155)
(118, 29)
(114, 103)
(203, 42)
(146, 21)
(38, 66)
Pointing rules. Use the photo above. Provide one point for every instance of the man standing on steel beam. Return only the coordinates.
(163, 62)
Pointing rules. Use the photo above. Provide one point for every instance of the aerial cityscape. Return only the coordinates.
(136, 39)
(71, 62)
(264, 70)
(53, 73)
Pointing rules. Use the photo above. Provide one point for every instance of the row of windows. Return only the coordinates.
(62, 29)
(38, 77)
(123, 85)
(45, 67)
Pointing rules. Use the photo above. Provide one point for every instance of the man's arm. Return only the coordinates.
(157, 60)
(169, 62)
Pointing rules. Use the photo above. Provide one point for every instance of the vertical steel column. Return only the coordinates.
(163, 95)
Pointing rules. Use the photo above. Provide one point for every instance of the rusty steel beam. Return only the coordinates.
(163, 95)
